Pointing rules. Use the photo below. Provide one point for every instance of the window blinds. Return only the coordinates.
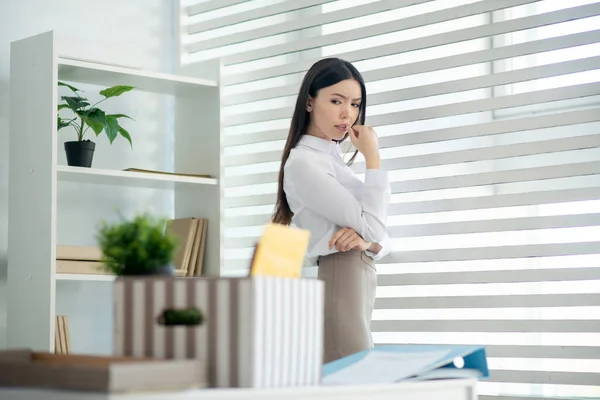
(488, 114)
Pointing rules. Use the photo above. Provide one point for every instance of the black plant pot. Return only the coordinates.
(164, 270)
(80, 153)
(168, 270)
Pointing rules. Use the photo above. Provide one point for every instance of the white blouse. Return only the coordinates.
(325, 195)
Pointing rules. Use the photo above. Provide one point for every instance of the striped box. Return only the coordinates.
(258, 332)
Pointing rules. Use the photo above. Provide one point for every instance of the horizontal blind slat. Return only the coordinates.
(252, 179)
(256, 137)
(495, 225)
(241, 264)
(535, 351)
(251, 200)
(498, 177)
(491, 397)
(491, 301)
(495, 201)
(546, 377)
(243, 242)
(247, 220)
(490, 253)
(502, 276)
(211, 5)
(573, 352)
(505, 326)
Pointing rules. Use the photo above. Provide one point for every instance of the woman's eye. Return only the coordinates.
(336, 101)
(355, 105)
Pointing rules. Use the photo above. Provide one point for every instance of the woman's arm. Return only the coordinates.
(381, 249)
(374, 248)
(319, 191)
(347, 239)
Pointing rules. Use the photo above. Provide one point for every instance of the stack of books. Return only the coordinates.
(62, 340)
(79, 260)
(188, 260)
(189, 255)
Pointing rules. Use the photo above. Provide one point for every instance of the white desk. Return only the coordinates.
(463, 389)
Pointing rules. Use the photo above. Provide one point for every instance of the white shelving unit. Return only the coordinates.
(35, 176)
(85, 277)
(128, 178)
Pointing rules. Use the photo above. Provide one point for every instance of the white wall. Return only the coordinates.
(135, 33)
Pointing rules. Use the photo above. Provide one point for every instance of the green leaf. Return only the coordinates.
(111, 127)
(74, 89)
(61, 123)
(121, 116)
(75, 103)
(126, 135)
(115, 90)
(95, 118)
(61, 106)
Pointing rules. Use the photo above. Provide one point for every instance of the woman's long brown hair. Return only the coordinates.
(322, 74)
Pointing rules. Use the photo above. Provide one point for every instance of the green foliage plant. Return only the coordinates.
(139, 246)
(88, 116)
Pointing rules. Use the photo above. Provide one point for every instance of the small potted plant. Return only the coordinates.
(140, 246)
(190, 316)
(80, 152)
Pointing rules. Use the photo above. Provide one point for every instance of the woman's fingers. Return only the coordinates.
(339, 237)
(335, 237)
(345, 242)
(346, 239)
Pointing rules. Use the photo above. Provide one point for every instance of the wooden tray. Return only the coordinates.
(25, 368)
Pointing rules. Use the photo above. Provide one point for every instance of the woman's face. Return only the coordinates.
(334, 110)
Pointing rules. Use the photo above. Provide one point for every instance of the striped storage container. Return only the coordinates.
(257, 332)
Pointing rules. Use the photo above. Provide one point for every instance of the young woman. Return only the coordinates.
(319, 192)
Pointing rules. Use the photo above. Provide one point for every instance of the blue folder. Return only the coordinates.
(456, 361)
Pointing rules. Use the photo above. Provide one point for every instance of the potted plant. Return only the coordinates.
(187, 316)
(80, 152)
(140, 246)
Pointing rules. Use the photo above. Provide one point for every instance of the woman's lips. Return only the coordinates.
(342, 128)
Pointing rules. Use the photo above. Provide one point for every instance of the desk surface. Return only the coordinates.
(455, 389)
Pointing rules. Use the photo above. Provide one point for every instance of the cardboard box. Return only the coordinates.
(257, 332)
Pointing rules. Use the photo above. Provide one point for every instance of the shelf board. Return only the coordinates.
(127, 178)
(109, 75)
(85, 277)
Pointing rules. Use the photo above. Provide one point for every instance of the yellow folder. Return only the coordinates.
(280, 252)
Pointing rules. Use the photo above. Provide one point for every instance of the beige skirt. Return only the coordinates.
(350, 282)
